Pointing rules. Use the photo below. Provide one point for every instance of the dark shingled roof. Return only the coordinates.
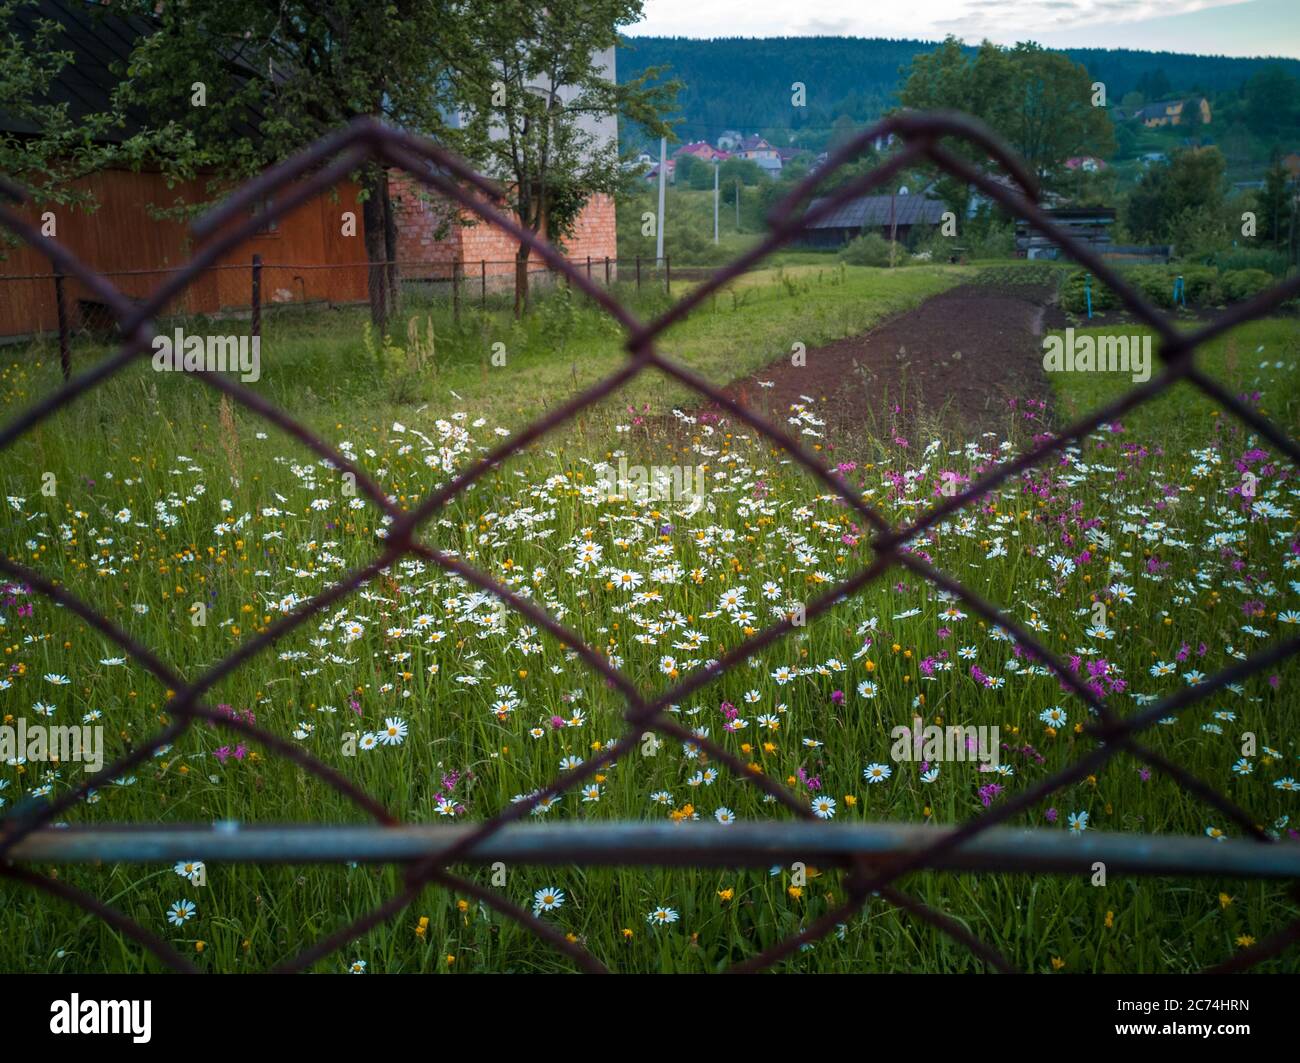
(873, 211)
(99, 40)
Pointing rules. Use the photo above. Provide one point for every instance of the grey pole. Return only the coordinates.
(659, 222)
(716, 168)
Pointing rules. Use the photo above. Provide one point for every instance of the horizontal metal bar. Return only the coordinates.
(668, 844)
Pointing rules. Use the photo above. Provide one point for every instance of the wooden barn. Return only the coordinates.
(122, 236)
(882, 214)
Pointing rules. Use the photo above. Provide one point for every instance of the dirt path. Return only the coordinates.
(960, 356)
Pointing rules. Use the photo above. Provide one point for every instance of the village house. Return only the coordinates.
(759, 151)
(1174, 112)
(123, 237)
(702, 150)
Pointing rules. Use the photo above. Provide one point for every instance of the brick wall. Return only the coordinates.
(425, 237)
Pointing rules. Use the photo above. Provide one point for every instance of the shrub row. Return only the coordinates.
(1203, 286)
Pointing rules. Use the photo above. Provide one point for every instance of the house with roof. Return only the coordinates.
(899, 214)
(122, 236)
(757, 150)
(702, 150)
(1174, 112)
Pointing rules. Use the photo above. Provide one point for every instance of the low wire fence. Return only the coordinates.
(875, 856)
(58, 305)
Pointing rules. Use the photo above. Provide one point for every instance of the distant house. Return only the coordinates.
(1090, 225)
(702, 150)
(759, 151)
(1291, 163)
(1086, 163)
(755, 147)
(1173, 112)
(872, 214)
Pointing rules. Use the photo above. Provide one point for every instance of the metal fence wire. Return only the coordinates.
(875, 856)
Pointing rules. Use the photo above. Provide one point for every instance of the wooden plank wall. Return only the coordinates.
(123, 235)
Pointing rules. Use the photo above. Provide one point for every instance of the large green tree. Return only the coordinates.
(276, 76)
(44, 145)
(1040, 102)
(1168, 196)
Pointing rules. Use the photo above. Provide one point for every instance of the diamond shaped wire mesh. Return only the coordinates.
(332, 159)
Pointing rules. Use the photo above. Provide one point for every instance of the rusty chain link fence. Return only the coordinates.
(875, 857)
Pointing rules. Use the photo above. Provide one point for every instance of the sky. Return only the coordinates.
(1206, 27)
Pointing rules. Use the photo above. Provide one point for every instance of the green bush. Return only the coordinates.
(1202, 285)
(870, 249)
(1241, 284)
(1156, 283)
(1074, 295)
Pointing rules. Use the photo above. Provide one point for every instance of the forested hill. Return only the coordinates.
(744, 83)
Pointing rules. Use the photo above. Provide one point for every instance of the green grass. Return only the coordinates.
(317, 363)
(1190, 584)
(1245, 361)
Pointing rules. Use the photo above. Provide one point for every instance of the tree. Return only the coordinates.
(275, 78)
(1154, 85)
(1039, 101)
(684, 166)
(1275, 204)
(1189, 184)
(533, 100)
(60, 146)
(1272, 101)
(746, 171)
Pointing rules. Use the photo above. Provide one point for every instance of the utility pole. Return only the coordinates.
(893, 227)
(716, 168)
(659, 226)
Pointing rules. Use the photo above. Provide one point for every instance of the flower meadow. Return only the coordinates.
(1140, 559)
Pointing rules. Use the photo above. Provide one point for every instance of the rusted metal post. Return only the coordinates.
(588, 267)
(61, 305)
(256, 326)
(607, 271)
